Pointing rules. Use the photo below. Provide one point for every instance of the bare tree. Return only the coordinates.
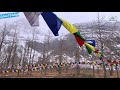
(100, 34)
(4, 32)
(10, 50)
(31, 47)
(48, 45)
(24, 56)
(61, 52)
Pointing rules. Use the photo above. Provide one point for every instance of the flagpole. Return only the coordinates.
(114, 20)
(77, 60)
(101, 43)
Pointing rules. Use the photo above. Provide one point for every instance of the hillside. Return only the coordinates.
(33, 45)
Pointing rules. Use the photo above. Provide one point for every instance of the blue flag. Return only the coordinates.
(91, 42)
(53, 22)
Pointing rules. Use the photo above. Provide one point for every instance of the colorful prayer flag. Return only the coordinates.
(90, 48)
(69, 26)
(53, 22)
(91, 42)
(79, 38)
(33, 18)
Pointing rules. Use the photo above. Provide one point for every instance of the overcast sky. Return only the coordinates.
(72, 17)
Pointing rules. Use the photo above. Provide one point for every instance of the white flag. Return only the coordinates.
(33, 18)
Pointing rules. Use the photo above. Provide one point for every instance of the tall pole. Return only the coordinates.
(93, 59)
(77, 61)
(114, 20)
(101, 43)
(60, 57)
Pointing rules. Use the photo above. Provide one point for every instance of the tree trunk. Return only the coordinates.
(93, 72)
(104, 68)
(117, 71)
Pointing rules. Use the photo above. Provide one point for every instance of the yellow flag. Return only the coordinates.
(7, 71)
(69, 26)
(90, 46)
(16, 70)
(26, 70)
(98, 54)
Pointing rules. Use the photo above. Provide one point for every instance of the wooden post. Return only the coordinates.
(117, 71)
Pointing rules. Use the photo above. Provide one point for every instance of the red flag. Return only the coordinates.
(80, 42)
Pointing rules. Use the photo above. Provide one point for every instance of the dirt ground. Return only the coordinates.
(54, 74)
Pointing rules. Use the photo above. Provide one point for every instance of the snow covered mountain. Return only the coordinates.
(47, 46)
